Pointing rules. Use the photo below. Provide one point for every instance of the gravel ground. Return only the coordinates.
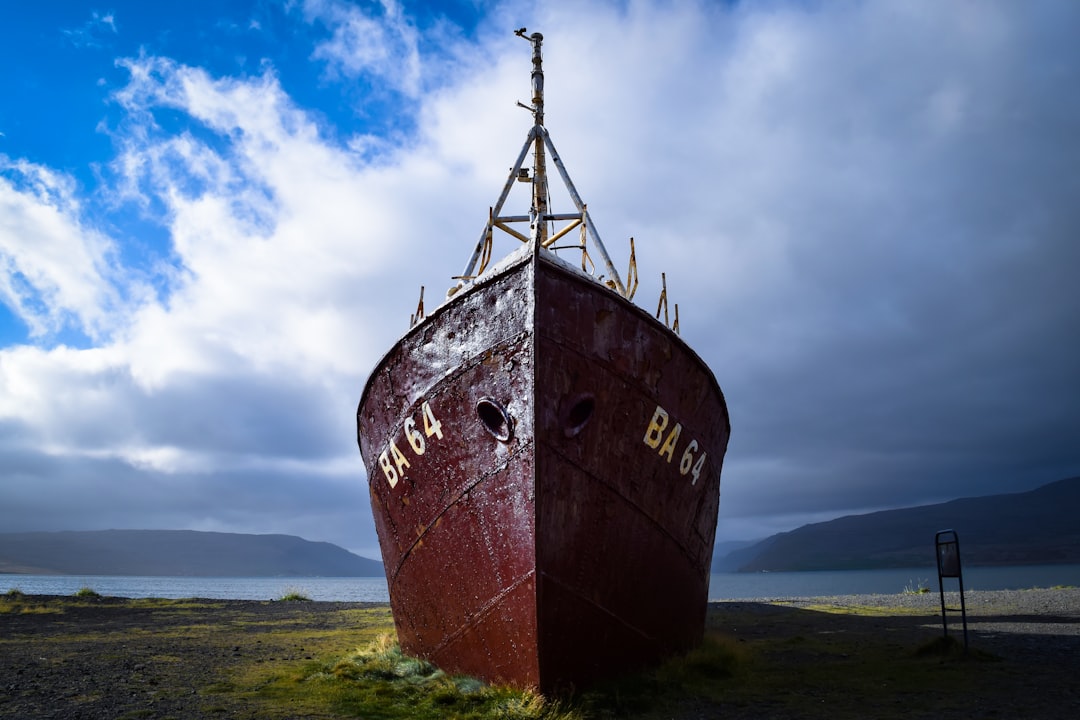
(1024, 644)
(995, 617)
(107, 658)
(110, 659)
(1041, 622)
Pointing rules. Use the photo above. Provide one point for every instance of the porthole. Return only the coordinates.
(495, 419)
(578, 414)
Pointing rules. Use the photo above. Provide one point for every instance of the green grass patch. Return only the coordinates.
(278, 661)
(919, 587)
(21, 604)
(180, 605)
(948, 647)
(294, 596)
(867, 610)
(87, 592)
(378, 681)
(698, 676)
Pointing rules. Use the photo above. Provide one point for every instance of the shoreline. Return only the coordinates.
(838, 657)
(1034, 599)
(1061, 603)
(725, 586)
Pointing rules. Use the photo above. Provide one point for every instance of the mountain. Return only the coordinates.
(178, 553)
(1035, 527)
(730, 555)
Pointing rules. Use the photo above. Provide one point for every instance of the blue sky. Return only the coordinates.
(215, 217)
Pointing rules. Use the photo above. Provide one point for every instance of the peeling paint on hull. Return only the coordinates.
(544, 464)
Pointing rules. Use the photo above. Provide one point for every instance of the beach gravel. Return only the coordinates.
(1024, 659)
(112, 658)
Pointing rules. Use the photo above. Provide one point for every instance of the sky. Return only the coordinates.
(215, 218)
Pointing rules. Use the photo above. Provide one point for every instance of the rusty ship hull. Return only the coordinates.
(544, 464)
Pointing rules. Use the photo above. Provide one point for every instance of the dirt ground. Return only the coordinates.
(855, 656)
(868, 656)
(115, 658)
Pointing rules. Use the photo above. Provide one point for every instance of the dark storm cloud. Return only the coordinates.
(867, 212)
(922, 343)
(93, 494)
(243, 414)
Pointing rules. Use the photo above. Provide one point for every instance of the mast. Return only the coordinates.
(539, 140)
(539, 209)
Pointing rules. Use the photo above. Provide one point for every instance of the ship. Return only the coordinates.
(544, 457)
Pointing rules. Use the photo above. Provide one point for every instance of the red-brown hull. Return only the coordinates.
(578, 546)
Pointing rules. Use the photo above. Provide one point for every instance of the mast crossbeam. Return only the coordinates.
(539, 217)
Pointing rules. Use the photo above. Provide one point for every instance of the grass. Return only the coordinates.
(378, 681)
(919, 587)
(172, 605)
(807, 675)
(294, 595)
(311, 670)
(948, 648)
(697, 676)
(16, 602)
(821, 662)
(87, 592)
(864, 610)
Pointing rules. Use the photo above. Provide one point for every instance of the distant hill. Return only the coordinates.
(178, 553)
(728, 556)
(1035, 527)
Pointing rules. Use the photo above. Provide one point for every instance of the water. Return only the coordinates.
(724, 586)
(347, 589)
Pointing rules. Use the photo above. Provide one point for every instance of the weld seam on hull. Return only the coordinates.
(637, 508)
(464, 491)
(609, 367)
(449, 377)
(589, 601)
(668, 332)
(480, 614)
(430, 321)
(606, 365)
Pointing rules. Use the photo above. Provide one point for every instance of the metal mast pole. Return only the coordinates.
(539, 214)
(539, 209)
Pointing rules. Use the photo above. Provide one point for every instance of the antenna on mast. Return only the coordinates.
(539, 209)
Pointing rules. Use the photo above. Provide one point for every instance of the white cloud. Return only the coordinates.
(53, 272)
(380, 44)
(94, 33)
(273, 232)
(866, 213)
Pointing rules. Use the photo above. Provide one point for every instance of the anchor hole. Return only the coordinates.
(579, 414)
(495, 419)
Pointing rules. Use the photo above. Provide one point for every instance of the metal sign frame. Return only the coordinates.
(947, 551)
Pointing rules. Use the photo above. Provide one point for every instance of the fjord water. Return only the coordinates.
(723, 586)
(346, 589)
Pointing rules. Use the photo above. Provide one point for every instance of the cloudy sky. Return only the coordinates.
(215, 217)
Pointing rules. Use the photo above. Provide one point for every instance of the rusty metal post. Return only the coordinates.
(540, 199)
(580, 204)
